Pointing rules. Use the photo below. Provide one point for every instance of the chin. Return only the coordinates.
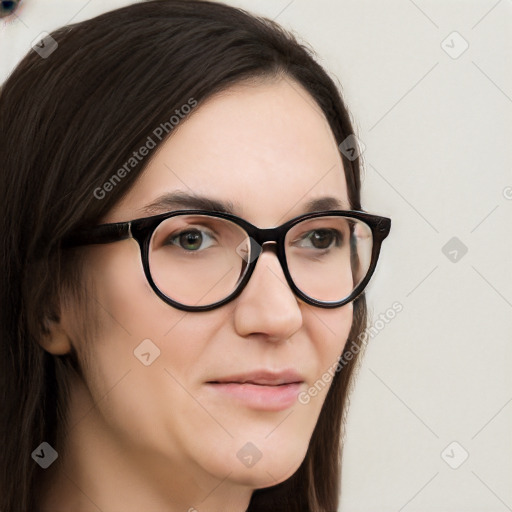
(264, 476)
(261, 463)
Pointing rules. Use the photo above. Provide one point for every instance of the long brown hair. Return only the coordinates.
(67, 122)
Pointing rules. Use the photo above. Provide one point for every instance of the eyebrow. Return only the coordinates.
(180, 200)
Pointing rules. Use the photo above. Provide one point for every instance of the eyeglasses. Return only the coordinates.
(198, 260)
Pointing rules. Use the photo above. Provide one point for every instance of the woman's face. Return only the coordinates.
(268, 150)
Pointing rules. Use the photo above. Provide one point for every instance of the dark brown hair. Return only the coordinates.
(67, 122)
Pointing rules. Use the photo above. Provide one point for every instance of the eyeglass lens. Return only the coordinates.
(198, 260)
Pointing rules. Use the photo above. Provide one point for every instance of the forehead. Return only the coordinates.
(267, 149)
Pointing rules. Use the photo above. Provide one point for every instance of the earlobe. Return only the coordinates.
(54, 338)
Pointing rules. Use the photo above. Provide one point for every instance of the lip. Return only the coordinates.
(262, 377)
(262, 390)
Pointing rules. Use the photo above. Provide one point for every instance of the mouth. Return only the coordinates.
(261, 390)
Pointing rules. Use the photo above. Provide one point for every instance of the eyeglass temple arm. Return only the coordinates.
(104, 234)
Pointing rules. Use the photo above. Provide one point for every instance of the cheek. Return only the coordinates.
(128, 309)
(328, 330)
(139, 353)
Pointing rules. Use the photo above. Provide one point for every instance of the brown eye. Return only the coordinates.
(321, 239)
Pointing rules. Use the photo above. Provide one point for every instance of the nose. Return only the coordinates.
(267, 306)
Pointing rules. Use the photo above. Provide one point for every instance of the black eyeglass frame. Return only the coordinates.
(142, 230)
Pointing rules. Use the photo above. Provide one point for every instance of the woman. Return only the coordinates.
(184, 259)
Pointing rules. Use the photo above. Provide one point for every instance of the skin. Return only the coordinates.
(155, 437)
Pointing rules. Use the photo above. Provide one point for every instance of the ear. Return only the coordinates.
(55, 338)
